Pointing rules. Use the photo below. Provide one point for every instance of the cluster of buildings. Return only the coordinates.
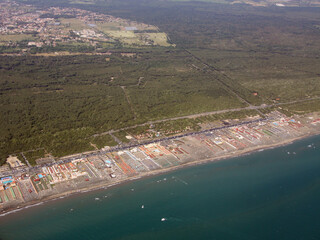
(44, 26)
(104, 167)
(9, 190)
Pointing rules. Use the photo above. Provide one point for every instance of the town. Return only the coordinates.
(50, 178)
(25, 29)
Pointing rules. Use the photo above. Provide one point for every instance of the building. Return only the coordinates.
(14, 162)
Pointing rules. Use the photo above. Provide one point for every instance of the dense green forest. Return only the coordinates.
(59, 103)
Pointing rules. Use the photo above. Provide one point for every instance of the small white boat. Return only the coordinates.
(163, 219)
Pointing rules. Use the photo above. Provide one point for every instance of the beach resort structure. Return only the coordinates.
(53, 178)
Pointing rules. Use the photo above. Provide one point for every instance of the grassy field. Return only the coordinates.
(72, 24)
(140, 39)
(159, 39)
(116, 30)
(105, 27)
(16, 37)
(82, 2)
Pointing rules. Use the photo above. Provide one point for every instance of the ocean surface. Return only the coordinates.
(271, 194)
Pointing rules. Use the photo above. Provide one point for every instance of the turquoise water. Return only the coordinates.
(265, 195)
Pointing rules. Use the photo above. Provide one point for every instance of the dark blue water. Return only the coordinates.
(265, 195)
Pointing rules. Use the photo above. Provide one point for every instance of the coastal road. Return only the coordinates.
(128, 146)
(123, 147)
(252, 107)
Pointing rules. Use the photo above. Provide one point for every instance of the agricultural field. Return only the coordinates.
(15, 37)
(72, 24)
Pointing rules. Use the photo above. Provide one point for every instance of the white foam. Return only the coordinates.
(19, 209)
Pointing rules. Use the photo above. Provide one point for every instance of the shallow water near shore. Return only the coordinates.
(271, 194)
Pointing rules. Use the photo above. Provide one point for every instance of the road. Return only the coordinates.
(115, 138)
(128, 146)
(252, 107)
(178, 136)
(226, 86)
(24, 157)
(214, 69)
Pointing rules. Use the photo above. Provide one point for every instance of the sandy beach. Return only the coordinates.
(107, 184)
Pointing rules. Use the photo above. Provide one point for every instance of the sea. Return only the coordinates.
(270, 194)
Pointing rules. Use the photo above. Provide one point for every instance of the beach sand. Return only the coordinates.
(104, 184)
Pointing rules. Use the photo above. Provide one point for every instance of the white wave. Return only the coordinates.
(19, 209)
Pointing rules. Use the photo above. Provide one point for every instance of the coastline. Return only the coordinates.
(105, 185)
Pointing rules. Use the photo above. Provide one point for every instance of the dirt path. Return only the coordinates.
(129, 101)
(208, 113)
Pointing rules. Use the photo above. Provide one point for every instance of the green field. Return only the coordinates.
(15, 37)
(72, 24)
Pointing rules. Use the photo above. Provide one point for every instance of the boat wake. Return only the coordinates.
(179, 179)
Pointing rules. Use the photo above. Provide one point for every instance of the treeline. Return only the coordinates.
(58, 103)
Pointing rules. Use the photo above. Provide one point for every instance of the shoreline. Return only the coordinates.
(106, 185)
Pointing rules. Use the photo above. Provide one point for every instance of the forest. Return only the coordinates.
(58, 103)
